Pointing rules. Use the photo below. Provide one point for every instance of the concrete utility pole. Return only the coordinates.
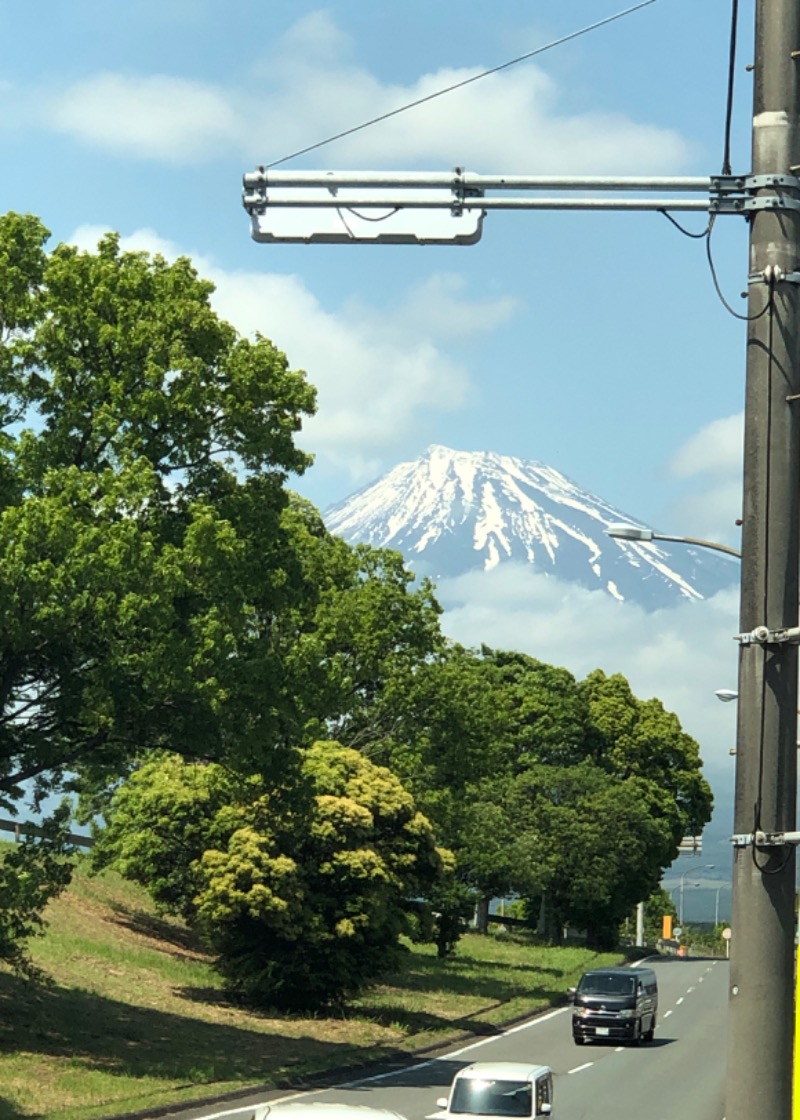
(761, 1018)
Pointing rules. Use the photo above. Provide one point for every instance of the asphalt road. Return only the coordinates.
(681, 1073)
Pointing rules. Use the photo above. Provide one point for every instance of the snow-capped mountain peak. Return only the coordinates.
(450, 512)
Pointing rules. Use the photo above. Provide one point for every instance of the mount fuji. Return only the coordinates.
(452, 512)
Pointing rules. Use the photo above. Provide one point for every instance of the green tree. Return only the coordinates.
(300, 888)
(161, 820)
(143, 462)
(639, 738)
(353, 639)
(305, 912)
(546, 708)
(506, 753)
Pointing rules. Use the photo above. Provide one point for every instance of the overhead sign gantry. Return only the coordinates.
(439, 208)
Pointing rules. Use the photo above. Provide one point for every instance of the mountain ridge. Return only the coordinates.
(452, 512)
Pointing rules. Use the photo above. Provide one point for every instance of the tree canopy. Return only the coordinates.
(574, 794)
(179, 631)
(143, 463)
(299, 889)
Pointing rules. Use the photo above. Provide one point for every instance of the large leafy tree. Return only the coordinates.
(144, 450)
(351, 643)
(634, 738)
(143, 459)
(301, 887)
(596, 845)
(535, 780)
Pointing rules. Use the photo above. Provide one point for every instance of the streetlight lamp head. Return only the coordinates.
(623, 532)
(726, 695)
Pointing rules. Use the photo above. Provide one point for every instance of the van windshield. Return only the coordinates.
(492, 1098)
(607, 984)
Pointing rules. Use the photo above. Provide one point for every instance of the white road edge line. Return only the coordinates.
(455, 1053)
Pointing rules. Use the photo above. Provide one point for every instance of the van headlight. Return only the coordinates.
(626, 1013)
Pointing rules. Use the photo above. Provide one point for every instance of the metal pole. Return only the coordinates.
(761, 1019)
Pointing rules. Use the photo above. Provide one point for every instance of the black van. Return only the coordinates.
(615, 1004)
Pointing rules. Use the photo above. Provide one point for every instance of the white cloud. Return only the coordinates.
(715, 450)
(157, 117)
(376, 368)
(513, 121)
(314, 38)
(681, 655)
(506, 122)
(712, 457)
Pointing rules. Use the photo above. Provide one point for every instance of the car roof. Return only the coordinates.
(503, 1071)
(322, 1110)
(621, 970)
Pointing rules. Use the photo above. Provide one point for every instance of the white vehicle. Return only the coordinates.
(499, 1089)
(320, 1110)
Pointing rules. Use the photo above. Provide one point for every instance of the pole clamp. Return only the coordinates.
(763, 636)
(760, 839)
(736, 194)
(773, 275)
(461, 192)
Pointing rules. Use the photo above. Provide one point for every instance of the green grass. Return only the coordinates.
(135, 1017)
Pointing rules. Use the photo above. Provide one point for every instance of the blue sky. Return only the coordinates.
(595, 343)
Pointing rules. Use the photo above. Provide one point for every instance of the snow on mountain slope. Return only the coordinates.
(450, 512)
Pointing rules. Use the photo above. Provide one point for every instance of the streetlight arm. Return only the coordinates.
(700, 543)
(623, 532)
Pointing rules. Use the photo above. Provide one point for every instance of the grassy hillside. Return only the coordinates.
(136, 1018)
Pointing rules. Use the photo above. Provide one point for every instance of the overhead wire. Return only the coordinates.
(726, 154)
(465, 82)
(726, 170)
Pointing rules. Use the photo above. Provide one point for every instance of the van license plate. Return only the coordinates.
(601, 1030)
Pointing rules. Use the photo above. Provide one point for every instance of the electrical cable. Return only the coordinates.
(686, 232)
(726, 154)
(465, 82)
(342, 210)
(370, 217)
(726, 170)
(718, 289)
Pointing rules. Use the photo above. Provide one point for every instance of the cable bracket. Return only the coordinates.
(763, 636)
(736, 194)
(773, 274)
(461, 192)
(761, 839)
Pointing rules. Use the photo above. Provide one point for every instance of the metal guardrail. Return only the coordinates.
(20, 828)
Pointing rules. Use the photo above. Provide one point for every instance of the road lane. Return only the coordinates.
(680, 1074)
